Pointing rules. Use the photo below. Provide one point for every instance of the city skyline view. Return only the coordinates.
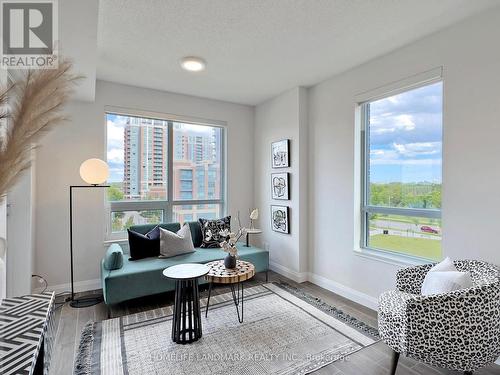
(138, 156)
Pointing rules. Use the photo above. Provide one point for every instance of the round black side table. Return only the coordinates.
(186, 321)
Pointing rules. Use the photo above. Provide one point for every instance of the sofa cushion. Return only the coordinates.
(145, 228)
(210, 230)
(196, 235)
(141, 246)
(173, 244)
(113, 259)
(154, 234)
(194, 226)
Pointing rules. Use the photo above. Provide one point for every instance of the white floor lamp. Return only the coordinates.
(94, 172)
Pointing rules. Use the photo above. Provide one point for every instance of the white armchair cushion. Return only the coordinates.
(445, 265)
(443, 278)
(438, 282)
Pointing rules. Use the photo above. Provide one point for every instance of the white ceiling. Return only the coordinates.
(256, 49)
(78, 41)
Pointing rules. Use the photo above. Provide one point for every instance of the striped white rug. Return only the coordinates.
(285, 331)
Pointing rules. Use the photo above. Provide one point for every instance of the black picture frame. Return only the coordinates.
(280, 186)
(280, 159)
(280, 219)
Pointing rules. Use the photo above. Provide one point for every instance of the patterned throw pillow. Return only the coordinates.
(211, 231)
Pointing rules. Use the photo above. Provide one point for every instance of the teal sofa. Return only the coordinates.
(144, 277)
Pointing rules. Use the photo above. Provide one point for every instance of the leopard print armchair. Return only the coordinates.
(459, 330)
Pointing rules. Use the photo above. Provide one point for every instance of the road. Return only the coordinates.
(397, 228)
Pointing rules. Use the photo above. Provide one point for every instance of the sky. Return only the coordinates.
(405, 137)
(115, 125)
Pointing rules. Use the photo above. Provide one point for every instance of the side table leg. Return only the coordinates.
(185, 291)
(190, 303)
(236, 297)
(241, 321)
(197, 313)
(237, 301)
(177, 313)
(208, 299)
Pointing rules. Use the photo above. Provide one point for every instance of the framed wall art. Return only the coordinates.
(280, 219)
(280, 155)
(280, 188)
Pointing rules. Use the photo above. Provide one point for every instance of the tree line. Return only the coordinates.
(406, 195)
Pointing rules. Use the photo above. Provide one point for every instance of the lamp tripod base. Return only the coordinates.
(85, 302)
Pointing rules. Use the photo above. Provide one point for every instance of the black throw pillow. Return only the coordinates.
(154, 234)
(210, 229)
(142, 246)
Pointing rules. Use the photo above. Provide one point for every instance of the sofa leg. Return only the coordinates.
(394, 364)
(109, 312)
(267, 276)
(467, 372)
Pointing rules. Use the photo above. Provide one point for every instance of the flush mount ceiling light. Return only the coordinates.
(193, 64)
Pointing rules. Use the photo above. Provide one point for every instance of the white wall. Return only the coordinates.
(63, 150)
(471, 152)
(20, 233)
(3, 218)
(3, 253)
(283, 117)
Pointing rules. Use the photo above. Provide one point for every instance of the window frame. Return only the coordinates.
(363, 101)
(167, 206)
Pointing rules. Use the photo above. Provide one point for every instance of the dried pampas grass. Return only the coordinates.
(28, 107)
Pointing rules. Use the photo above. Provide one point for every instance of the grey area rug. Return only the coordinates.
(285, 331)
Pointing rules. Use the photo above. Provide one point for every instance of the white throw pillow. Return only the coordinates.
(172, 244)
(445, 265)
(439, 282)
(444, 277)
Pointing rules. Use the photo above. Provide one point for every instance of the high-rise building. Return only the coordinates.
(145, 159)
(196, 161)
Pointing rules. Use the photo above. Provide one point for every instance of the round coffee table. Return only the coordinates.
(222, 275)
(187, 301)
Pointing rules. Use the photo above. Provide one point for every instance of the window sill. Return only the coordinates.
(390, 258)
(118, 241)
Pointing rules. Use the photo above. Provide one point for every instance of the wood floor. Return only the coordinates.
(372, 360)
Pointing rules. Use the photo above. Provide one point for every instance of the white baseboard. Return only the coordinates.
(298, 277)
(345, 291)
(80, 286)
(333, 286)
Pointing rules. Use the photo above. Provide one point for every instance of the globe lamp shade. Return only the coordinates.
(94, 171)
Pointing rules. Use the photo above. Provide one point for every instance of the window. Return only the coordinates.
(401, 172)
(162, 170)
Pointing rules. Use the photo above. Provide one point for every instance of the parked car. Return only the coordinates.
(428, 229)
